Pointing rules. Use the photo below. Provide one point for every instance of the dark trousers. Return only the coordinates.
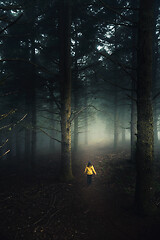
(89, 179)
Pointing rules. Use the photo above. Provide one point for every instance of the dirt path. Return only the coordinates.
(46, 209)
(98, 201)
(106, 210)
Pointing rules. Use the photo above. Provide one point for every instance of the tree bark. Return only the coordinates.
(123, 130)
(86, 116)
(116, 130)
(76, 96)
(134, 88)
(33, 107)
(144, 154)
(53, 132)
(17, 144)
(65, 76)
(133, 123)
(33, 88)
(155, 68)
(76, 124)
(27, 129)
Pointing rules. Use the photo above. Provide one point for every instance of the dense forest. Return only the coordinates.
(79, 83)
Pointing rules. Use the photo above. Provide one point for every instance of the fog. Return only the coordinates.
(69, 82)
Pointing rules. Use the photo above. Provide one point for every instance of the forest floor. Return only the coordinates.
(39, 207)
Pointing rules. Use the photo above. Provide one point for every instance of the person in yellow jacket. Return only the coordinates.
(89, 170)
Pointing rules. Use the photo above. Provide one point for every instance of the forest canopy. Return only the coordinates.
(78, 73)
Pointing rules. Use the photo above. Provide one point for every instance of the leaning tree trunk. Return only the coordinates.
(65, 76)
(144, 154)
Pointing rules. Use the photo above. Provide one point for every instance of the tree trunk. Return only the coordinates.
(27, 131)
(27, 88)
(155, 68)
(134, 87)
(86, 117)
(144, 154)
(76, 96)
(33, 77)
(17, 144)
(134, 96)
(10, 145)
(123, 131)
(34, 139)
(155, 125)
(65, 76)
(33, 107)
(133, 123)
(133, 130)
(76, 124)
(53, 132)
(116, 132)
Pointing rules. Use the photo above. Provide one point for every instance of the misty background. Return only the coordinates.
(103, 65)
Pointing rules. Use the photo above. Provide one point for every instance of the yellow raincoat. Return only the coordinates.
(90, 170)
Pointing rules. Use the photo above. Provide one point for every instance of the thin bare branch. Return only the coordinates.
(12, 23)
(116, 85)
(82, 109)
(4, 79)
(51, 119)
(54, 120)
(120, 24)
(5, 153)
(48, 111)
(4, 143)
(10, 7)
(15, 35)
(77, 113)
(133, 99)
(155, 96)
(6, 126)
(127, 8)
(7, 114)
(87, 66)
(13, 124)
(115, 11)
(53, 97)
(22, 118)
(8, 93)
(104, 54)
(26, 61)
(54, 129)
(49, 135)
